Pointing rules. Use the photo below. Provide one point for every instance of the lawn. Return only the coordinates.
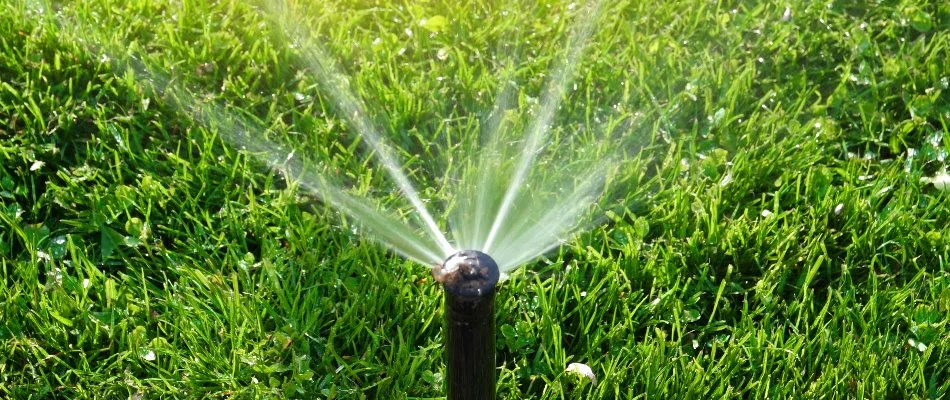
(770, 231)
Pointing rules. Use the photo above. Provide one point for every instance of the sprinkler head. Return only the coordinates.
(469, 278)
(468, 273)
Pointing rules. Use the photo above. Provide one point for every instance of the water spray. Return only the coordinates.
(469, 279)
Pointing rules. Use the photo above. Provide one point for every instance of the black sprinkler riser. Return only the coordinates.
(469, 278)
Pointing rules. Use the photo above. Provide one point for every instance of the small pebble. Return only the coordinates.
(582, 370)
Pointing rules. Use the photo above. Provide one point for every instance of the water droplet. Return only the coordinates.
(920, 346)
(717, 117)
(727, 179)
(935, 139)
(941, 181)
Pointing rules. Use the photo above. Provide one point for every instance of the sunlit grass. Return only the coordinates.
(774, 238)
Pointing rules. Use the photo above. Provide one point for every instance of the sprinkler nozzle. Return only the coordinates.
(468, 273)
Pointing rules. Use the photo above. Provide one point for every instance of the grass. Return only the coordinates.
(774, 240)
